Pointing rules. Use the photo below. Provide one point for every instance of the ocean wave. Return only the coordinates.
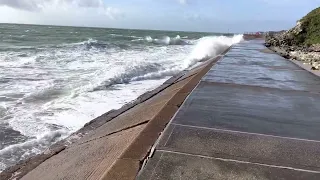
(14, 153)
(124, 36)
(158, 75)
(131, 73)
(3, 109)
(166, 40)
(96, 44)
(44, 95)
(124, 42)
(92, 43)
(206, 47)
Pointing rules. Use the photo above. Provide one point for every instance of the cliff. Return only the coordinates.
(302, 42)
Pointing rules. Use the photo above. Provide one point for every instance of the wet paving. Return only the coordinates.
(254, 115)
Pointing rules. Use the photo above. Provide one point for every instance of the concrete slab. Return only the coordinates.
(140, 147)
(123, 169)
(253, 109)
(249, 44)
(244, 65)
(172, 166)
(273, 61)
(88, 160)
(266, 77)
(300, 154)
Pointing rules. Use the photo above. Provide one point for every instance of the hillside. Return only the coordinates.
(301, 42)
(309, 29)
(305, 34)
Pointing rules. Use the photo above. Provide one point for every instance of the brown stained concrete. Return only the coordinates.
(119, 140)
(85, 161)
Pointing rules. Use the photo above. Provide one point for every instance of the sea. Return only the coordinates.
(55, 79)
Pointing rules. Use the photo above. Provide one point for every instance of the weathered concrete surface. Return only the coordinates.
(242, 146)
(114, 145)
(85, 161)
(176, 166)
(307, 67)
(255, 115)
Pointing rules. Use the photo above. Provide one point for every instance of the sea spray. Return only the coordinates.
(205, 47)
(210, 46)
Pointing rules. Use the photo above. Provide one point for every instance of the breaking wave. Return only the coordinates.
(205, 48)
(30, 147)
(211, 46)
(166, 40)
(130, 73)
(90, 43)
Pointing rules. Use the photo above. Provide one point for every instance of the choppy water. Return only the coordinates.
(53, 79)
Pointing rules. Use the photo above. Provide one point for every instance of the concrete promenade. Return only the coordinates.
(254, 115)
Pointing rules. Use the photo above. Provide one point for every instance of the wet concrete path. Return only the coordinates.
(254, 115)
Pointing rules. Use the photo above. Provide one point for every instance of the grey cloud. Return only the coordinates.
(72, 8)
(30, 5)
(89, 3)
(35, 5)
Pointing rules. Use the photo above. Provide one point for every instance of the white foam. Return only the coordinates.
(29, 148)
(211, 46)
(166, 40)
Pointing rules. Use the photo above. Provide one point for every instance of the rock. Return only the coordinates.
(314, 48)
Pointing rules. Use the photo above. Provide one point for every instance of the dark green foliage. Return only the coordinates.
(310, 29)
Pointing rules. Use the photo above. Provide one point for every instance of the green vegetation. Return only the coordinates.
(310, 29)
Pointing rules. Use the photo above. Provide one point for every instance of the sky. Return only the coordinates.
(235, 16)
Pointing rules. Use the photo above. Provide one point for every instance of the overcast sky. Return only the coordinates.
(189, 15)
